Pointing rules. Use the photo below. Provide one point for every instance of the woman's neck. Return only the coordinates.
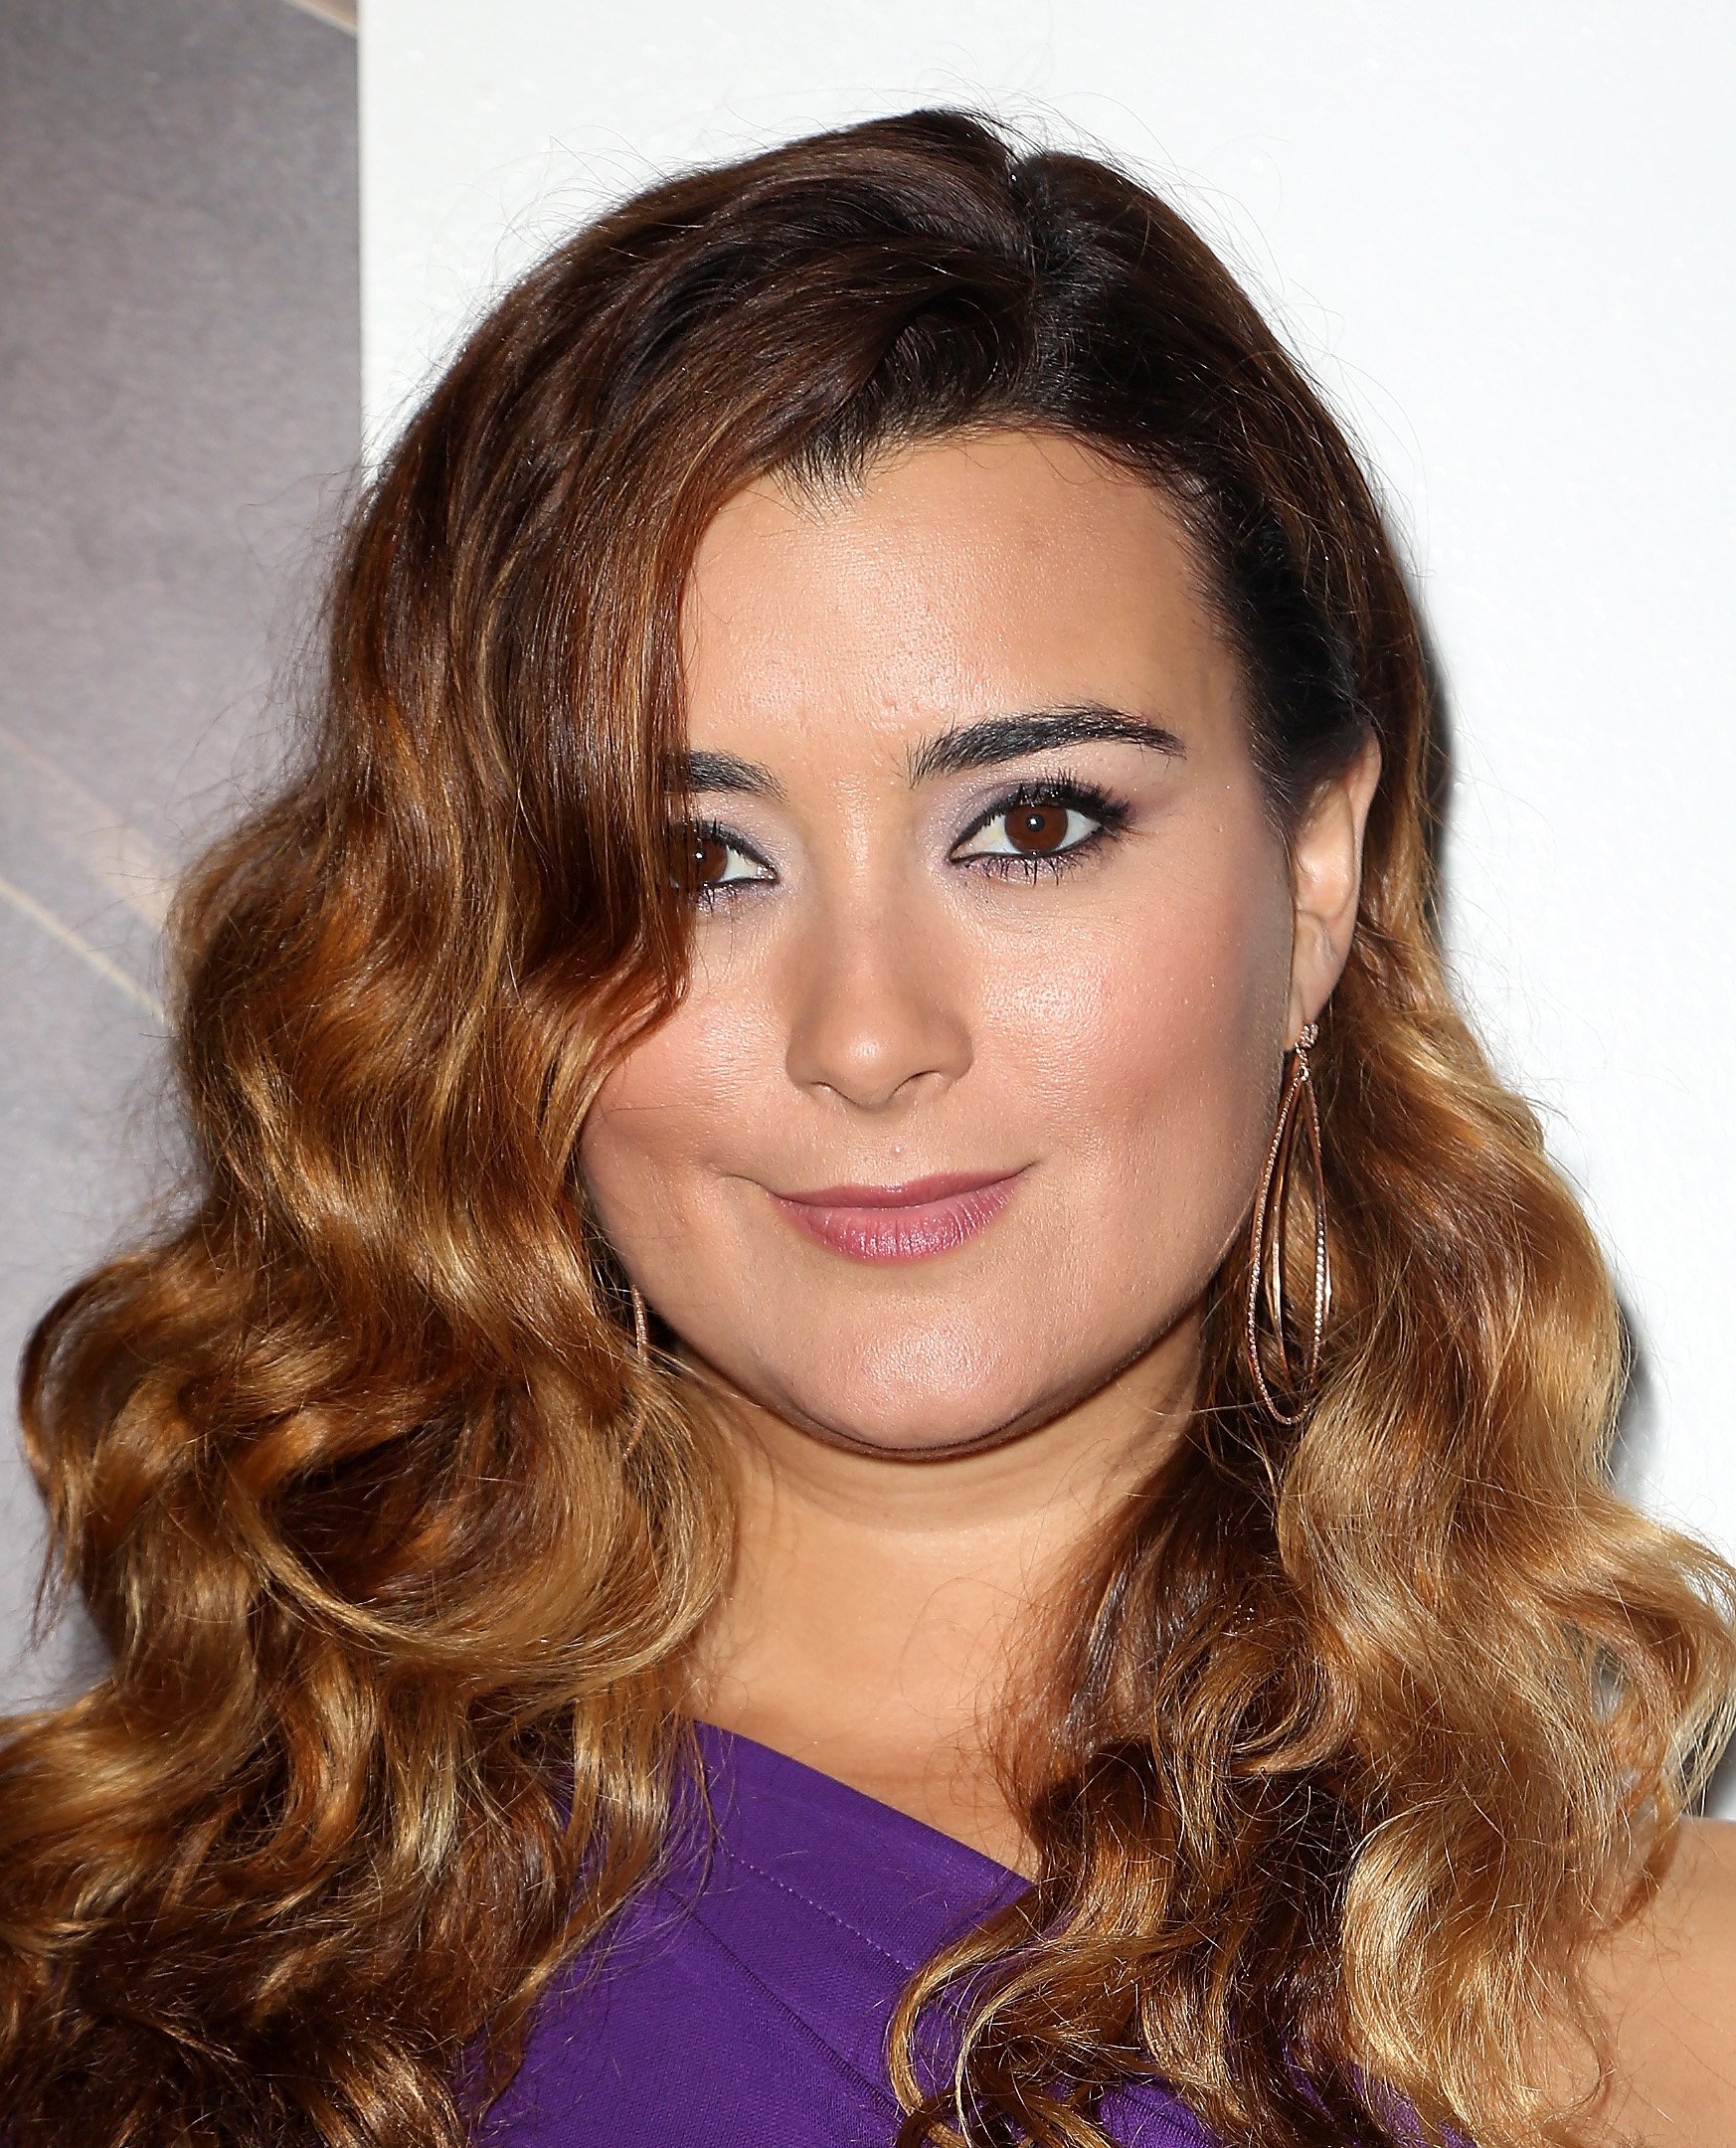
(875, 1607)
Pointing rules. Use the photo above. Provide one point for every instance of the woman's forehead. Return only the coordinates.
(925, 509)
(955, 580)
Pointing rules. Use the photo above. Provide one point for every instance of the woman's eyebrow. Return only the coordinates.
(1006, 738)
(973, 746)
(722, 771)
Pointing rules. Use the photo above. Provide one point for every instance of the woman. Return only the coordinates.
(869, 1419)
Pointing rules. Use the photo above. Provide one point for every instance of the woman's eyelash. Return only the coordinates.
(699, 848)
(705, 851)
(1038, 797)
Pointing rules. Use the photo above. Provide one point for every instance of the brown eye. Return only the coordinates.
(1035, 831)
(1043, 827)
(705, 860)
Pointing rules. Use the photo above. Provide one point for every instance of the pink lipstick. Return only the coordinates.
(909, 1222)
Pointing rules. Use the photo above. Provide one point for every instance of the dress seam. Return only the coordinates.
(843, 1924)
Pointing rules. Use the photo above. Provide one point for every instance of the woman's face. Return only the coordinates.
(997, 953)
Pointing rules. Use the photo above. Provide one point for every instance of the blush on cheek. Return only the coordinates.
(662, 1148)
(1158, 1053)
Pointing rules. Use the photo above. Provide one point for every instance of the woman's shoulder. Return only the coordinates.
(1668, 1982)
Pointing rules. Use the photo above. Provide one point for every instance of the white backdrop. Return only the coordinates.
(1499, 235)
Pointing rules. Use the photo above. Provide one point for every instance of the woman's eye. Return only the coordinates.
(1035, 828)
(708, 859)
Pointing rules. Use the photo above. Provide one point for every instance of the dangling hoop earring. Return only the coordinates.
(1298, 1106)
(637, 1414)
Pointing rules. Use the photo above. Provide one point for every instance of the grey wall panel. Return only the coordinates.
(179, 391)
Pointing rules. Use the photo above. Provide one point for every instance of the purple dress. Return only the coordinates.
(743, 2002)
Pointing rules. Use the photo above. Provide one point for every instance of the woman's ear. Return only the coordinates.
(1326, 883)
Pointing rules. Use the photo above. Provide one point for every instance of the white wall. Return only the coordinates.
(1498, 232)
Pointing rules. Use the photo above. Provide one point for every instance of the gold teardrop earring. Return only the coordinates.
(1269, 1355)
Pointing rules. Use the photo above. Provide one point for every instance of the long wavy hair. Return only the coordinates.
(1362, 1731)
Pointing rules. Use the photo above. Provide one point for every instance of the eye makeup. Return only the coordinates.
(711, 861)
(1046, 823)
(1042, 824)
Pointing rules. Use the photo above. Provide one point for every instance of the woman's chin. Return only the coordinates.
(917, 1421)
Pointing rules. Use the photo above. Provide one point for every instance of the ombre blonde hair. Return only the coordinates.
(1362, 1731)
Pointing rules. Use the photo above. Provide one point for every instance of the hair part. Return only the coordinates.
(1367, 1728)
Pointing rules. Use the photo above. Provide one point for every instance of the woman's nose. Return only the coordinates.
(876, 1009)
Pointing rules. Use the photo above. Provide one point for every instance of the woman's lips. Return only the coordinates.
(909, 1222)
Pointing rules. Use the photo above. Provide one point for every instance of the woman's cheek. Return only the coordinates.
(665, 1110)
(1153, 1056)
